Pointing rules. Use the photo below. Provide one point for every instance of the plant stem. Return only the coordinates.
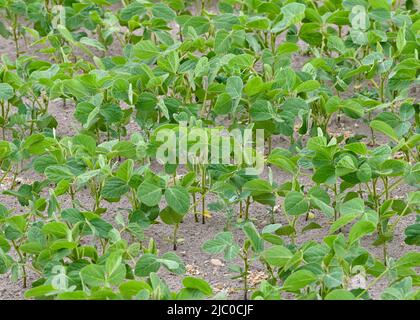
(195, 209)
(247, 204)
(245, 274)
(22, 261)
(174, 236)
(203, 200)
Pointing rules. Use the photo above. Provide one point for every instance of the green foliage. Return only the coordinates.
(122, 75)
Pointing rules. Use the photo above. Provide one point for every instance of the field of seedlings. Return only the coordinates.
(188, 150)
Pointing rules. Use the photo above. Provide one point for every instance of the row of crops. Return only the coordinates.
(88, 88)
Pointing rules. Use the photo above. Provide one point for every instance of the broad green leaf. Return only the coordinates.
(345, 166)
(132, 10)
(93, 275)
(149, 193)
(6, 91)
(353, 206)
(253, 235)
(307, 86)
(114, 188)
(254, 86)
(57, 229)
(198, 284)
(145, 50)
(39, 291)
(298, 280)
(92, 43)
(257, 186)
(234, 87)
(342, 221)
(146, 264)
(277, 256)
(360, 229)
(261, 110)
(384, 128)
(223, 104)
(295, 203)
(340, 294)
(178, 199)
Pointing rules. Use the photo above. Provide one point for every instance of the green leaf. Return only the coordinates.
(125, 171)
(92, 43)
(202, 67)
(40, 291)
(93, 275)
(234, 87)
(147, 264)
(261, 110)
(3, 31)
(257, 186)
(282, 162)
(33, 247)
(287, 48)
(307, 86)
(57, 173)
(5, 149)
(198, 284)
(353, 109)
(277, 256)
(170, 216)
(86, 142)
(364, 173)
(4, 245)
(385, 128)
(173, 263)
(199, 23)
(145, 50)
(401, 42)
(114, 188)
(355, 205)
(149, 194)
(113, 262)
(162, 11)
(222, 242)
(6, 91)
(62, 244)
(298, 280)
(170, 62)
(57, 229)
(345, 166)
(132, 10)
(253, 235)
(223, 104)
(133, 287)
(254, 86)
(340, 294)
(361, 229)
(65, 33)
(342, 221)
(101, 227)
(412, 234)
(293, 13)
(178, 199)
(311, 226)
(222, 42)
(295, 203)
(409, 260)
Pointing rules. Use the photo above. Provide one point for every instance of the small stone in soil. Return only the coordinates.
(216, 262)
